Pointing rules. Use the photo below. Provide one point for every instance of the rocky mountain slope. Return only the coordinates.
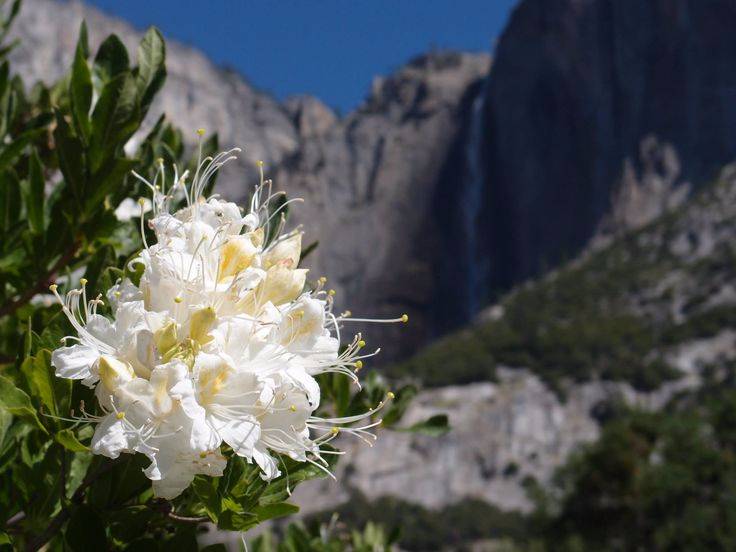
(637, 320)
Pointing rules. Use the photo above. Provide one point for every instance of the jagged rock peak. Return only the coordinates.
(645, 191)
(417, 88)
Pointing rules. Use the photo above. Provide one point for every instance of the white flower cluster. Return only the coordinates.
(219, 342)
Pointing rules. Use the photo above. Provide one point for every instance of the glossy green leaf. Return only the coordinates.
(434, 426)
(271, 511)
(206, 490)
(34, 195)
(151, 72)
(69, 441)
(15, 401)
(71, 157)
(110, 61)
(115, 118)
(80, 86)
(54, 393)
(399, 404)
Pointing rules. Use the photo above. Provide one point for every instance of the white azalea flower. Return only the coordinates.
(218, 342)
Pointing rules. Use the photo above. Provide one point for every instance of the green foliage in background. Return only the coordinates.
(582, 322)
(653, 481)
(332, 536)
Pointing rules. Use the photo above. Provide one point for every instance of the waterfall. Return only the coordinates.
(470, 206)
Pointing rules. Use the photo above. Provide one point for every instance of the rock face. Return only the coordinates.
(371, 181)
(516, 427)
(575, 86)
(642, 196)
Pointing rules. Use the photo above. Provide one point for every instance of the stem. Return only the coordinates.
(187, 519)
(165, 508)
(11, 306)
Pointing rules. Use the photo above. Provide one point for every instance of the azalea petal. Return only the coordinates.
(110, 438)
(76, 362)
(242, 435)
(266, 462)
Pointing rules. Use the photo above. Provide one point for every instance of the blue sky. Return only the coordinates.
(327, 48)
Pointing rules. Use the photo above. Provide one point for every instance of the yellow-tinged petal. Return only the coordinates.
(281, 285)
(286, 252)
(237, 254)
(201, 324)
(166, 338)
(114, 372)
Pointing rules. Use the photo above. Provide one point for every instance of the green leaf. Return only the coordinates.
(10, 202)
(69, 441)
(271, 511)
(435, 426)
(106, 179)
(307, 251)
(72, 160)
(111, 60)
(10, 152)
(231, 521)
(205, 489)
(114, 120)
(399, 404)
(54, 393)
(34, 196)
(86, 531)
(280, 489)
(15, 401)
(80, 86)
(151, 72)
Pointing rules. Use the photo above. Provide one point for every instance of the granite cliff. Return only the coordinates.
(575, 87)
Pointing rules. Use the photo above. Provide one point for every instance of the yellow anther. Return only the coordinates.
(200, 132)
(322, 279)
(331, 292)
(178, 299)
(358, 364)
(83, 281)
(141, 201)
(160, 160)
(203, 455)
(404, 318)
(53, 287)
(292, 408)
(259, 163)
(120, 415)
(118, 294)
(361, 343)
(347, 313)
(335, 430)
(390, 395)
